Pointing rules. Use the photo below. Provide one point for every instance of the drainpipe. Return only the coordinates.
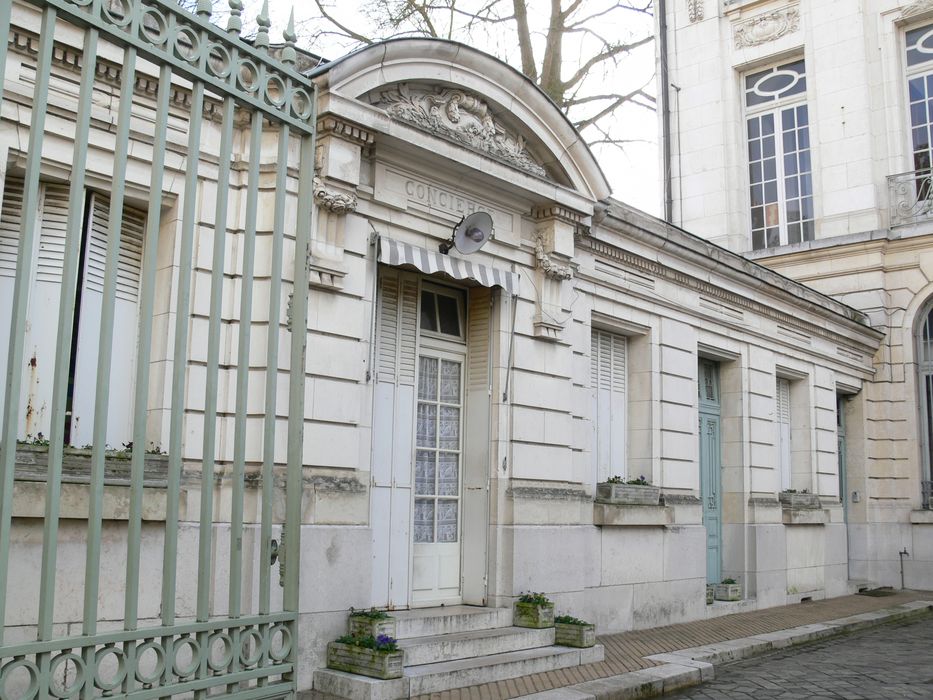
(665, 112)
(902, 554)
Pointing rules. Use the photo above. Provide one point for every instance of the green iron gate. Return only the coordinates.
(221, 625)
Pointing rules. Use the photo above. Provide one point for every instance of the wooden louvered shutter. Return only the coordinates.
(11, 215)
(476, 458)
(782, 422)
(393, 428)
(44, 302)
(126, 322)
(608, 379)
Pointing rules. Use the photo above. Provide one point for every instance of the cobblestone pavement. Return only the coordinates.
(892, 661)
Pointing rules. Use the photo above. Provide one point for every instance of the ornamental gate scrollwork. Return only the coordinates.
(151, 159)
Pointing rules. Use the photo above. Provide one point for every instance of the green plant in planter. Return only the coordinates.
(615, 479)
(533, 610)
(728, 581)
(371, 623)
(571, 631)
(377, 657)
(640, 481)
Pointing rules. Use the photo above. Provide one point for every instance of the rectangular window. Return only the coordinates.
(919, 50)
(779, 169)
(608, 380)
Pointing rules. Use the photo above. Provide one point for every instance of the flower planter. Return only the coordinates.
(792, 499)
(710, 593)
(534, 615)
(628, 494)
(361, 626)
(728, 591)
(383, 665)
(582, 636)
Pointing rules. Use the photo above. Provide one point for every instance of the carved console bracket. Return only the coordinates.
(556, 230)
(325, 257)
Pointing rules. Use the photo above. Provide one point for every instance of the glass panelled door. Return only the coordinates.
(438, 454)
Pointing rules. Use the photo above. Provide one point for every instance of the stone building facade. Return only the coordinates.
(460, 410)
(799, 137)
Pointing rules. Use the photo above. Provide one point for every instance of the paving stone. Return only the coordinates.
(885, 663)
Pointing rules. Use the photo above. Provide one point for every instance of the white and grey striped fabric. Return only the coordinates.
(396, 253)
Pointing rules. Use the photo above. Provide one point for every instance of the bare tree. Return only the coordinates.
(574, 50)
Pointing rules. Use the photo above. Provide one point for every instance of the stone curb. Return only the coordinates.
(686, 667)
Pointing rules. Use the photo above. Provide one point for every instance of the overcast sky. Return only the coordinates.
(633, 173)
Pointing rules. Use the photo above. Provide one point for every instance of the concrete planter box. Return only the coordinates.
(710, 593)
(533, 615)
(360, 626)
(628, 494)
(581, 636)
(366, 662)
(728, 591)
(790, 499)
(32, 464)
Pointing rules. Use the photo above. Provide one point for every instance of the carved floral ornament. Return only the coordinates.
(337, 202)
(461, 117)
(766, 27)
(916, 8)
(695, 10)
(550, 268)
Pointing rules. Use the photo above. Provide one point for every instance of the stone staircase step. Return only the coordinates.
(426, 622)
(433, 678)
(465, 645)
(436, 677)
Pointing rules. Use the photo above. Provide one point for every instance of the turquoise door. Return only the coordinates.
(711, 467)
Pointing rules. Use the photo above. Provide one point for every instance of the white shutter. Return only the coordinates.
(476, 446)
(782, 421)
(125, 329)
(393, 426)
(10, 221)
(608, 377)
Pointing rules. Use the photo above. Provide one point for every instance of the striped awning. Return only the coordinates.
(396, 253)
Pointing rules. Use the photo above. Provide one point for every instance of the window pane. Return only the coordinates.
(918, 113)
(449, 428)
(767, 124)
(754, 150)
(758, 240)
(793, 233)
(773, 237)
(790, 141)
(758, 217)
(447, 521)
(802, 117)
(754, 172)
(793, 210)
(450, 381)
(767, 146)
(771, 191)
(803, 138)
(790, 164)
(753, 129)
(449, 477)
(424, 520)
(915, 89)
(449, 312)
(772, 217)
(427, 378)
(757, 195)
(807, 227)
(770, 169)
(428, 312)
(788, 118)
(807, 206)
(805, 161)
(427, 425)
(425, 469)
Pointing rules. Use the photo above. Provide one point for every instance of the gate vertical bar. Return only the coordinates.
(179, 369)
(27, 242)
(242, 378)
(146, 303)
(272, 359)
(205, 535)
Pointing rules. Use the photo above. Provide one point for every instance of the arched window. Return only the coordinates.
(925, 393)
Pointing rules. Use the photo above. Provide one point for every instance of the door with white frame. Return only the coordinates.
(438, 464)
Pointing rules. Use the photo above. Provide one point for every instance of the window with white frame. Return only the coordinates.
(919, 50)
(925, 395)
(608, 380)
(779, 169)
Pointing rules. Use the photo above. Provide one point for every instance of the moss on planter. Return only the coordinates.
(534, 615)
(572, 635)
(364, 626)
(374, 663)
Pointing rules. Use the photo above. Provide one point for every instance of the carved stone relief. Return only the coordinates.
(695, 10)
(325, 258)
(766, 27)
(461, 117)
(916, 8)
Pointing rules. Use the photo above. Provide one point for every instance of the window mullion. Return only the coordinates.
(779, 172)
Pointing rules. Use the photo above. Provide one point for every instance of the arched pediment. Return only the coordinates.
(463, 95)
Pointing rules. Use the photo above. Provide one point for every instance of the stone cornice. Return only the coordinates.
(345, 129)
(659, 270)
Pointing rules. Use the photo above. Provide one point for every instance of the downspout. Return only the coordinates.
(665, 112)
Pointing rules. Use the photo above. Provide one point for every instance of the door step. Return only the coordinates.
(456, 647)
